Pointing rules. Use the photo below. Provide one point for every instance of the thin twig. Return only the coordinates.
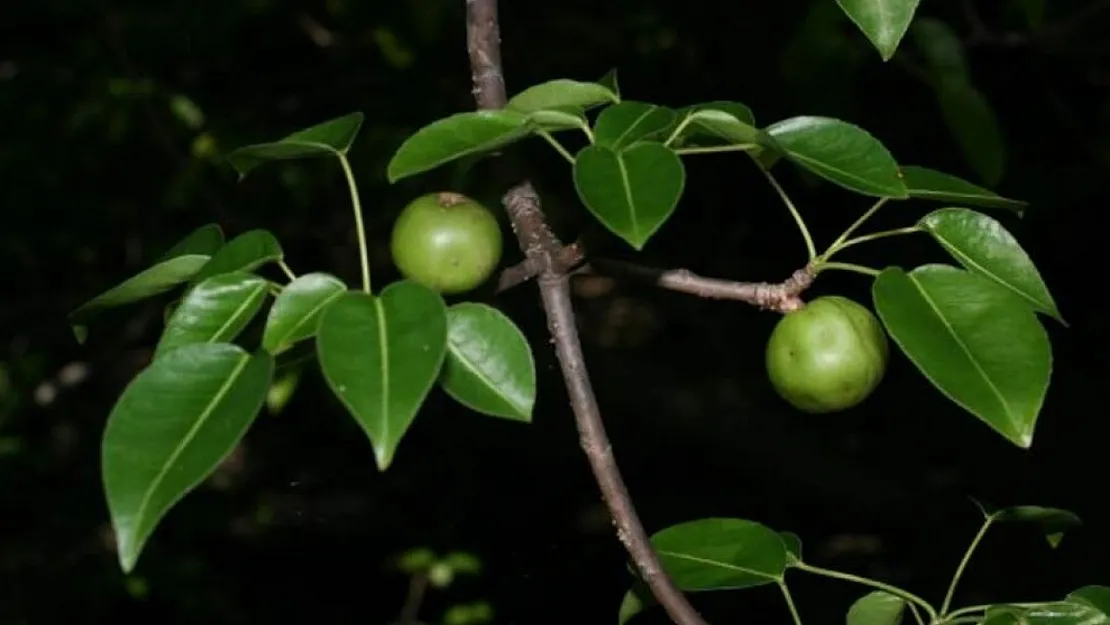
(542, 248)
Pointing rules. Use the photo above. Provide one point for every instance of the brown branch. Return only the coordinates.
(542, 248)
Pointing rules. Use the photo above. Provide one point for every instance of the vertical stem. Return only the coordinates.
(855, 226)
(360, 228)
(810, 248)
(790, 603)
(963, 564)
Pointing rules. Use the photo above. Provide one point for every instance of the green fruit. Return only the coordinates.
(827, 356)
(447, 242)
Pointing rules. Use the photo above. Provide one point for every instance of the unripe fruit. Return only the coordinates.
(827, 356)
(447, 242)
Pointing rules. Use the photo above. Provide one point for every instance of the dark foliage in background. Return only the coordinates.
(115, 116)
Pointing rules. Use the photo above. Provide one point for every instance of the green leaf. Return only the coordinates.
(983, 246)
(147, 283)
(609, 81)
(215, 311)
(929, 184)
(556, 120)
(623, 124)
(246, 252)
(884, 22)
(636, 600)
(841, 153)
(724, 127)
(204, 241)
(1097, 597)
(1053, 613)
(973, 340)
(489, 366)
(793, 544)
(973, 123)
(330, 138)
(631, 192)
(1054, 522)
(942, 49)
(381, 355)
(712, 554)
(296, 311)
(877, 608)
(454, 137)
(561, 93)
(172, 426)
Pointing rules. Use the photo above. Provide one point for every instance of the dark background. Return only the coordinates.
(101, 173)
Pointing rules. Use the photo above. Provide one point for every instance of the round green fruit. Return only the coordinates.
(827, 356)
(447, 242)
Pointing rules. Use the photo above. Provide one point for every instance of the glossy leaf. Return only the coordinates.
(877, 608)
(296, 311)
(942, 49)
(215, 311)
(625, 123)
(1054, 522)
(246, 252)
(724, 127)
(841, 153)
(1097, 597)
(381, 355)
(172, 426)
(793, 545)
(1054, 613)
(147, 283)
(204, 241)
(561, 93)
(631, 192)
(489, 366)
(329, 138)
(884, 22)
(555, 120)
(973, 340)
(454, 137)
(929, 184)
(711, 554)
(973, 123)
(983, 246)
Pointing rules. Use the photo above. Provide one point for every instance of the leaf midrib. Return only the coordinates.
(383, 340)
(452, 346)
(972, 264)
(967, 352)
(188, 438)
(718, 563)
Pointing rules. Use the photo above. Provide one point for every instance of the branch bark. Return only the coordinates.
(542, 249)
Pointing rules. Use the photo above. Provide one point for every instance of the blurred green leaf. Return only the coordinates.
(877, 608)
(1054, 522)
(942, 49)
(973, 123)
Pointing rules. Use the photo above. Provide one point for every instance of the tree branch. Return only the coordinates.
(542, 248)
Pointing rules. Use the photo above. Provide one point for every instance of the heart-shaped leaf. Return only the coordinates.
(147, 283)
(489, 366)
(329, 138)
(983, 246)
(713, 554)
(841, 153)
(1097, 597)
(877, 608)
(172, 426)
(625, 123)
(884, 22)
(561, 93)
(214, 311)
(203, 241)
(454, 137)
(1054, 522)
(977, 343)
(296, 311)
(972, 121)
(929, 184)
(631, 192)
(554, 120)
(381, 355)
(246, 252)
